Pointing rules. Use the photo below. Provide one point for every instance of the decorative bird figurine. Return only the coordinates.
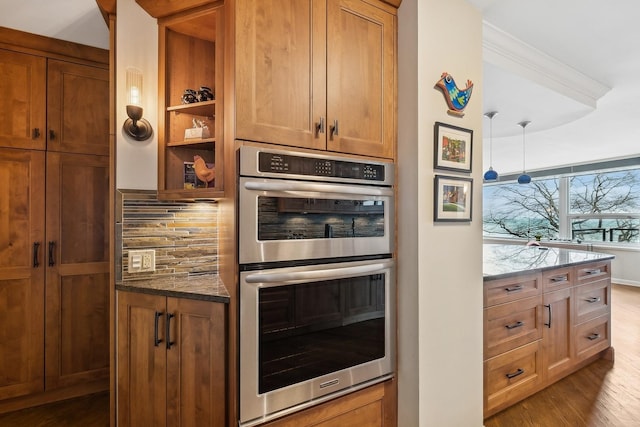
(203, 173)
(457, 99)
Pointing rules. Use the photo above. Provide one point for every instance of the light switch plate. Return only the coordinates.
(142, 260)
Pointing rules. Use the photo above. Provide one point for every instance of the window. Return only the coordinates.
(593, 207)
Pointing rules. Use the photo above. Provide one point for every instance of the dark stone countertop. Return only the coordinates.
(206, 287)
(508, 260)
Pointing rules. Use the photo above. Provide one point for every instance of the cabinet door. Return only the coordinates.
(281, 71)
(361, 78)
(21, 272)
(77, 291)
(196, 378)
(22, 100)
(77, 108)
(557, 339)
(142, 360)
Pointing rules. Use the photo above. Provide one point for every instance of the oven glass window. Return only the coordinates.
(281, 218)
(309, 330)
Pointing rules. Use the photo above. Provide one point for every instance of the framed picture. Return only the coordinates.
(452, 198)
(453, 147)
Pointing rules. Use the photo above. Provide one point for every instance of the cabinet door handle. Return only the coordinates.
(156, 340)
(518, 324)
(334, 128)
(52, 134)
(168, 334)
(593, 336)
(35, 133)
(320, 126)
(549, 308)
(558, 279)
(52, 247)
(514, 288)
(593, 299)
(594, 271)
(510, 375)
(36, 250)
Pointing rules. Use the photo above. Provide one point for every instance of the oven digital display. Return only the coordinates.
(311, 166)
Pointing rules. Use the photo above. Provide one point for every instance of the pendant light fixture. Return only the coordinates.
(524, 178)
(490, 174)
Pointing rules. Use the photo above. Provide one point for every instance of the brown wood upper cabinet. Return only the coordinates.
(317, 74)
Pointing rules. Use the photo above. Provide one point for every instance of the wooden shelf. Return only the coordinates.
(204, 108)
(190, 142)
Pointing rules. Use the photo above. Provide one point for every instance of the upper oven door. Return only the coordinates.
(285, 220)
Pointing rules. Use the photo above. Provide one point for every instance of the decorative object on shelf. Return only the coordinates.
(189, 96)
(203, 171)
(199, 130)
(205, 94)
(490, 174)
(524, 178)
(452, 199)
(457, 99)
(453, 147)
(135, 126)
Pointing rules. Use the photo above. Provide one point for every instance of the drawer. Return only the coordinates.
(592, 300)
(586, 273)
(511, 325)
(592, 337)
(511, 377)
(509, 289)
(559, 278)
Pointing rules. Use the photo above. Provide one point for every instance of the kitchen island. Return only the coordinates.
(547, 313)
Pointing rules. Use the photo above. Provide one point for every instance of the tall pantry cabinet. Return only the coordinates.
(54, 202)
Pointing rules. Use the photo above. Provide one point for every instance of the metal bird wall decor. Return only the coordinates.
(457, 99)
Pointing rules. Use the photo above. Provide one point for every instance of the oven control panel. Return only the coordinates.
(320, 167)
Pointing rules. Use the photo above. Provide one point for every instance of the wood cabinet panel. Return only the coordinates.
(512, 376)
(592, 337)
(280, 76)
(142, 363)
(172, 351)
(501, 291)
(361, 84)
(557, 337)
(558, 278)
(77, 108)
(592, 300)
(593, 271)
(22, 100)
(22, 267)
(511, 325)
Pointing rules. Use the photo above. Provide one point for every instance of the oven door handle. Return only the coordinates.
(319, 188)
(314, 275)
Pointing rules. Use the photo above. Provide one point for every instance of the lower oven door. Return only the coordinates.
(309, 334)
(284, 220)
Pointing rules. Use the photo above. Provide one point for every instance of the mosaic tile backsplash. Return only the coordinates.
(184, 234)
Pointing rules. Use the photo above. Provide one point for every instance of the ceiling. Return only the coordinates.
(571, 67)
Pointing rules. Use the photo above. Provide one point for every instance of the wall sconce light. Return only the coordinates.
(135, 126)
(490, 175)
(524, 178)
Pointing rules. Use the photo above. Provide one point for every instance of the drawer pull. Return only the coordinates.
(515, 325)
(593, 299)
(559, 279)
(168, 331)
(511, 375)
(592, 337)
(514, 288)
(594, 271)
(548, 324)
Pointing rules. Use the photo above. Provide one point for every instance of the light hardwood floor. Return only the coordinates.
(603, 394)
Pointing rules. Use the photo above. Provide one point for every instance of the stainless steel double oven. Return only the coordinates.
(317, 279)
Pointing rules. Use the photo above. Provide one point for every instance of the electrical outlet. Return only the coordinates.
(142, 260)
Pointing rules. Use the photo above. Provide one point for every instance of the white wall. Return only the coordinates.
(439, 265)
(136, 46)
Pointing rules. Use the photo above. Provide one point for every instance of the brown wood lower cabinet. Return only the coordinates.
(171, 361)
(370, 407)
(540, 327)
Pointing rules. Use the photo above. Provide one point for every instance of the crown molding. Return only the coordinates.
(509, 53)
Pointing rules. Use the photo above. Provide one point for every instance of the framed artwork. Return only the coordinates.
(453, 147)
(452, 198)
